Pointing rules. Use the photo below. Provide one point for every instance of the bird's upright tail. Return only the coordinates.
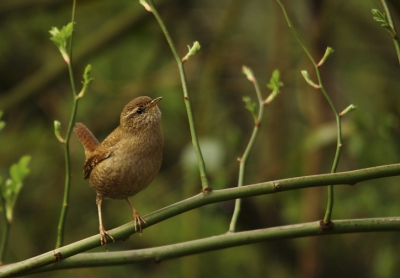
(89, 141)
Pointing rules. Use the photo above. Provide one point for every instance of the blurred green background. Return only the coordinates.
(130, 57)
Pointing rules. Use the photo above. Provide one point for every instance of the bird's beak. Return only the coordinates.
(154, 102)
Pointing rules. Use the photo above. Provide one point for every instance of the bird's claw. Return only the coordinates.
(138, 221)
(103, 237)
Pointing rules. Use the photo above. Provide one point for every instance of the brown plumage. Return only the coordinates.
(128, 159)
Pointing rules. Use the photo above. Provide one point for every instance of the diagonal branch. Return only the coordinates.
(162, 253)
(124, 231)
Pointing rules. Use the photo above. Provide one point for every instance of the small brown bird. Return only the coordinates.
(128, 159)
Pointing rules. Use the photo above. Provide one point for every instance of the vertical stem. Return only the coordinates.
(387, 11)
(6, 231)
(200, 160)
(64, 208)
(329, 206)
(243, 159)
(394, 36)
(328, 212)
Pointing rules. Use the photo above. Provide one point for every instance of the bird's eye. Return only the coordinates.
(139, 111)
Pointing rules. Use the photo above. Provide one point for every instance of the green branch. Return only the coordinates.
(159, 254)
(123, 232)
(203, 174)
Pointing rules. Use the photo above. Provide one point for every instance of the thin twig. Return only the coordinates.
(195, 142)
(394, 35)
(328, 212)
(64, 208)
(243, 159)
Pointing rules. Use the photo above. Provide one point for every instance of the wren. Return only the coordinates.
(128, 159)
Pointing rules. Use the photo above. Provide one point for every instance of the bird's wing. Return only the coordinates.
(93, 161)
(102, 152)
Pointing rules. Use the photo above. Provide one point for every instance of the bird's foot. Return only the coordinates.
(138, 221)
(103, 237)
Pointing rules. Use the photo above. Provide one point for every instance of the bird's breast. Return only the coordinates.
(130, 168)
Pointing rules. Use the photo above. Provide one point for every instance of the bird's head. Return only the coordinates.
(140, 113)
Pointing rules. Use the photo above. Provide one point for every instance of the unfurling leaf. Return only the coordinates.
(274, 84)
(251, 106)
(348, 109)
(248, 72)
(145, 5)
(381, 18)
(329, 50)
(57, 128)
(309, 81)
(192, 50)
(87, 79)
(60, 37)
(13, 185)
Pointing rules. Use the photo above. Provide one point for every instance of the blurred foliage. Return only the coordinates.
(130, 57)
(2, 123)
(11, 188)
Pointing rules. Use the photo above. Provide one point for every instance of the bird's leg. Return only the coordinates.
(136, 217)
(103, 232)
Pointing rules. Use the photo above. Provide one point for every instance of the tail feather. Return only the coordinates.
(89, 141)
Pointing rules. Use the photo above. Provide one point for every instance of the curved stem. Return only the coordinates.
(64, 208)
(243, 159)
(195, 142)
(328, 212)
